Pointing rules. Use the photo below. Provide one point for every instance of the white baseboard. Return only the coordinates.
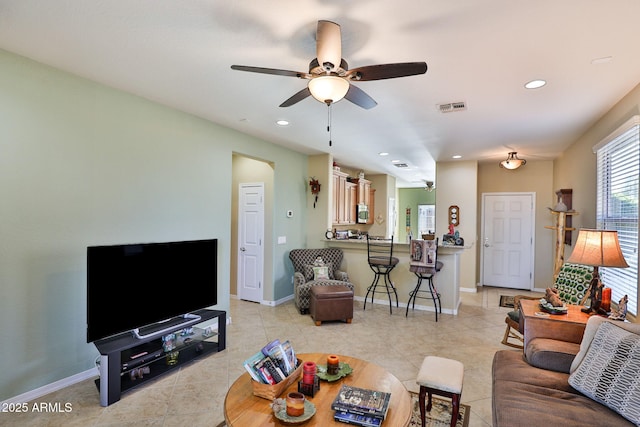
(58, 385)
(404, 305)
(54, 386)
(267, 302)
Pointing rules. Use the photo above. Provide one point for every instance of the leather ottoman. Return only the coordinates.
(331, 303)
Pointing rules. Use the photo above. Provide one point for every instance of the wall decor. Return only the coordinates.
(315, 189)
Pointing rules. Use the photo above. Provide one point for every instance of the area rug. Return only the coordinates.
(506, 301)
(440, 415)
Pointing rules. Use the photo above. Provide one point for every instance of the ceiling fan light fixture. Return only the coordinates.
(512, 161)
(328, 89)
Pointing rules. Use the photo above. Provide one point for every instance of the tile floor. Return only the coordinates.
(194, 396)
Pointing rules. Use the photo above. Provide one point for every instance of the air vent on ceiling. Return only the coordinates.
(452, 106)
(401, 165)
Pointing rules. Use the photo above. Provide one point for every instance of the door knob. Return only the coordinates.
(242, 249)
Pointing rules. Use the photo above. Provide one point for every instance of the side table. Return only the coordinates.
(566, 327)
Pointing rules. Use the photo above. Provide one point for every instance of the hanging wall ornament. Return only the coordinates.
(315, 189)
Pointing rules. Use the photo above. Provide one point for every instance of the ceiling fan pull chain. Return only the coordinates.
(329, 122)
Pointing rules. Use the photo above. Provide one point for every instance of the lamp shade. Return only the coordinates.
(328, 89)
(598, 248)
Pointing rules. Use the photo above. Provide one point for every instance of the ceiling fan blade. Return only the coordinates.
(328, 45)
(387, 71)
(360, 98)
(296, 98)
(275, 71)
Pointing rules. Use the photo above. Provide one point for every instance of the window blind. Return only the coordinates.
(618, 170)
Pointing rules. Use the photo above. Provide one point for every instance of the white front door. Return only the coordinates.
(507, 240)
(250, 242)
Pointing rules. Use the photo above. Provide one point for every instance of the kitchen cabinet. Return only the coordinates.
(364, 187)
(351, 203)
(371, 203)
(344, 199)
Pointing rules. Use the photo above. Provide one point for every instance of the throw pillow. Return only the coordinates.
(320, 272)
(308, 272)
(329, 265)
(593, 324)
(610, 371)
(572, 282)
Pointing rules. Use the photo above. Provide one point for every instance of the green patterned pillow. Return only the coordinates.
(573, 282)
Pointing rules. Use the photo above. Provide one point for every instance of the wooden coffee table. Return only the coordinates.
(243, 409)
(566, 327)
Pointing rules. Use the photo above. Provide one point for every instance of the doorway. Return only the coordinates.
(251, 241)
(507, 240)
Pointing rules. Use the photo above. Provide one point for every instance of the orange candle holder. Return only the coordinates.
(606, 299)
(295, 404)
(333, 364)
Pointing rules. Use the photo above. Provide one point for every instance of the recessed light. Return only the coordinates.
(383, 154)
(457, 156)
(395, 161)
(282, 123)
(535, 84)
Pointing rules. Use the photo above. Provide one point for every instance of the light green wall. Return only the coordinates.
(411, 198)
(82, 164)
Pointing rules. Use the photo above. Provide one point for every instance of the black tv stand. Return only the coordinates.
(124, 355)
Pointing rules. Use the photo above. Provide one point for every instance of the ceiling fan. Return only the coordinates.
(329, 76)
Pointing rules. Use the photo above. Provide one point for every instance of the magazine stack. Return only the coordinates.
(273, 363)
(361, 407)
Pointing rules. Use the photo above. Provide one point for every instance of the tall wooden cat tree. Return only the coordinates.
(563, 228)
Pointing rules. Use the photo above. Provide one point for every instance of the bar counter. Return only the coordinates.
(447, 280)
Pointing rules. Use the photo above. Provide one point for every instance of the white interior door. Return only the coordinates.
(250, 242)
(391, 215)
(507, 240)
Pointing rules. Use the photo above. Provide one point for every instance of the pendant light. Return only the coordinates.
(512, 161)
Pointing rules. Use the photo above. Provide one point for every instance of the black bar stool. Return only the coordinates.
(381, 261)
(425, 273)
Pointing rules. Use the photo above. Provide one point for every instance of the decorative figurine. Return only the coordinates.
(621, 312)
(552, 296)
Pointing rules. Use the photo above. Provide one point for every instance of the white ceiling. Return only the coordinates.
(179, 53)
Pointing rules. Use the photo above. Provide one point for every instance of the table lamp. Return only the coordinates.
(597, 248)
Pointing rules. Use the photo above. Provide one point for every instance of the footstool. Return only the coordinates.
(442, 377)
(331, 303)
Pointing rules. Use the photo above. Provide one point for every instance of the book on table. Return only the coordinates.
(361, 401)
(357, 419)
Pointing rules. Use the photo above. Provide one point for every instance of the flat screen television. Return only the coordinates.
(134, 285)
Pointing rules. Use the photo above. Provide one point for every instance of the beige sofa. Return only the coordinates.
(596, 383)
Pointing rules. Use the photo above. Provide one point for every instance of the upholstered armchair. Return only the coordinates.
(572, 283)
(305, 277)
